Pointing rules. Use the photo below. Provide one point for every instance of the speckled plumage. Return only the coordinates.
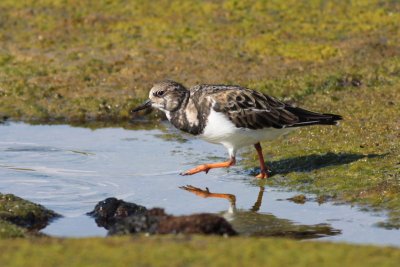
(233, 116)
(246, 108)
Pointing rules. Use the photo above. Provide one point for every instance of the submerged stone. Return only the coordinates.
(110, 210)
(24, 213)
(298, 199)
(147, 222)
(203, 223)
(157, 222)
(121, 217)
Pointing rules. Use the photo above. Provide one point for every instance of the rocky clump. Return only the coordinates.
(298, 199)
(121, 217)
(24, 213)
(111, 210)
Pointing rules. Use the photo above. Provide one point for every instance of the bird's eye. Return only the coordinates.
(159, 93)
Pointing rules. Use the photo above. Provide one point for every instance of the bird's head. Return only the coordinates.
(166, 96)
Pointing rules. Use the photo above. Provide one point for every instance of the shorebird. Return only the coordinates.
(230, 115)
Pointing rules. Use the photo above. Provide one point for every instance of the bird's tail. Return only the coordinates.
(312, 118)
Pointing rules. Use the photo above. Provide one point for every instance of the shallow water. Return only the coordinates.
(69, 169)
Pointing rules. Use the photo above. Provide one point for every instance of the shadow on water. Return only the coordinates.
(313, 162)
(251, 223)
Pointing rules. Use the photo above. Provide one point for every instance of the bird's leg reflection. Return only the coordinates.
(205, 193)
(257, 205)
(251, 222)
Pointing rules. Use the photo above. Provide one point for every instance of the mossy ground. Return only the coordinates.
(190, 251)
(357, 161)
(92, 60)
(79, 61)
(10, 230)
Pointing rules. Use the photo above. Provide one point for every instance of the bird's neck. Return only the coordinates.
(187, 117)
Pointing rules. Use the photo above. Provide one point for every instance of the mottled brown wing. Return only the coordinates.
(247, 108)
(250, 109)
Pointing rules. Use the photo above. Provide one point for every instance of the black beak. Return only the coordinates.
(145, 105)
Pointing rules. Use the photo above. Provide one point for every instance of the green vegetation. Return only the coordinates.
(75, 61)
(23, 213)
(22, 218)
(9, 230)
(190, 251)
(357, 162)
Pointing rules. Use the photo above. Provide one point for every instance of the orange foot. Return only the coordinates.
(206, 167)
(263, 175)
(201, 168)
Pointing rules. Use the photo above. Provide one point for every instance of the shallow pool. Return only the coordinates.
(69, 169)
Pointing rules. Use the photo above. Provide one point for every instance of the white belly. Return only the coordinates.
(221, 130)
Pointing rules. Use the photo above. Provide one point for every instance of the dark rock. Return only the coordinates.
(139, 223)
(203, 223)
(110, 210)
(121, 217)
(155, 221)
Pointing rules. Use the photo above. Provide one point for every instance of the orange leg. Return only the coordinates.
(206, 193)
(263, 168)
(207, 167)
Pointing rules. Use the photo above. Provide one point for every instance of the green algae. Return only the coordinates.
(190, 251)
(10, 230)
(298, 199)
(22, 218)
(23, 213)
(172, 137)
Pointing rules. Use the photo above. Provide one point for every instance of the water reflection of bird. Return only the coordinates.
(205, 193)
(230, 115)
(250, 222)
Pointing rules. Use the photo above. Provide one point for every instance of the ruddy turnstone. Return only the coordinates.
(233, 116)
